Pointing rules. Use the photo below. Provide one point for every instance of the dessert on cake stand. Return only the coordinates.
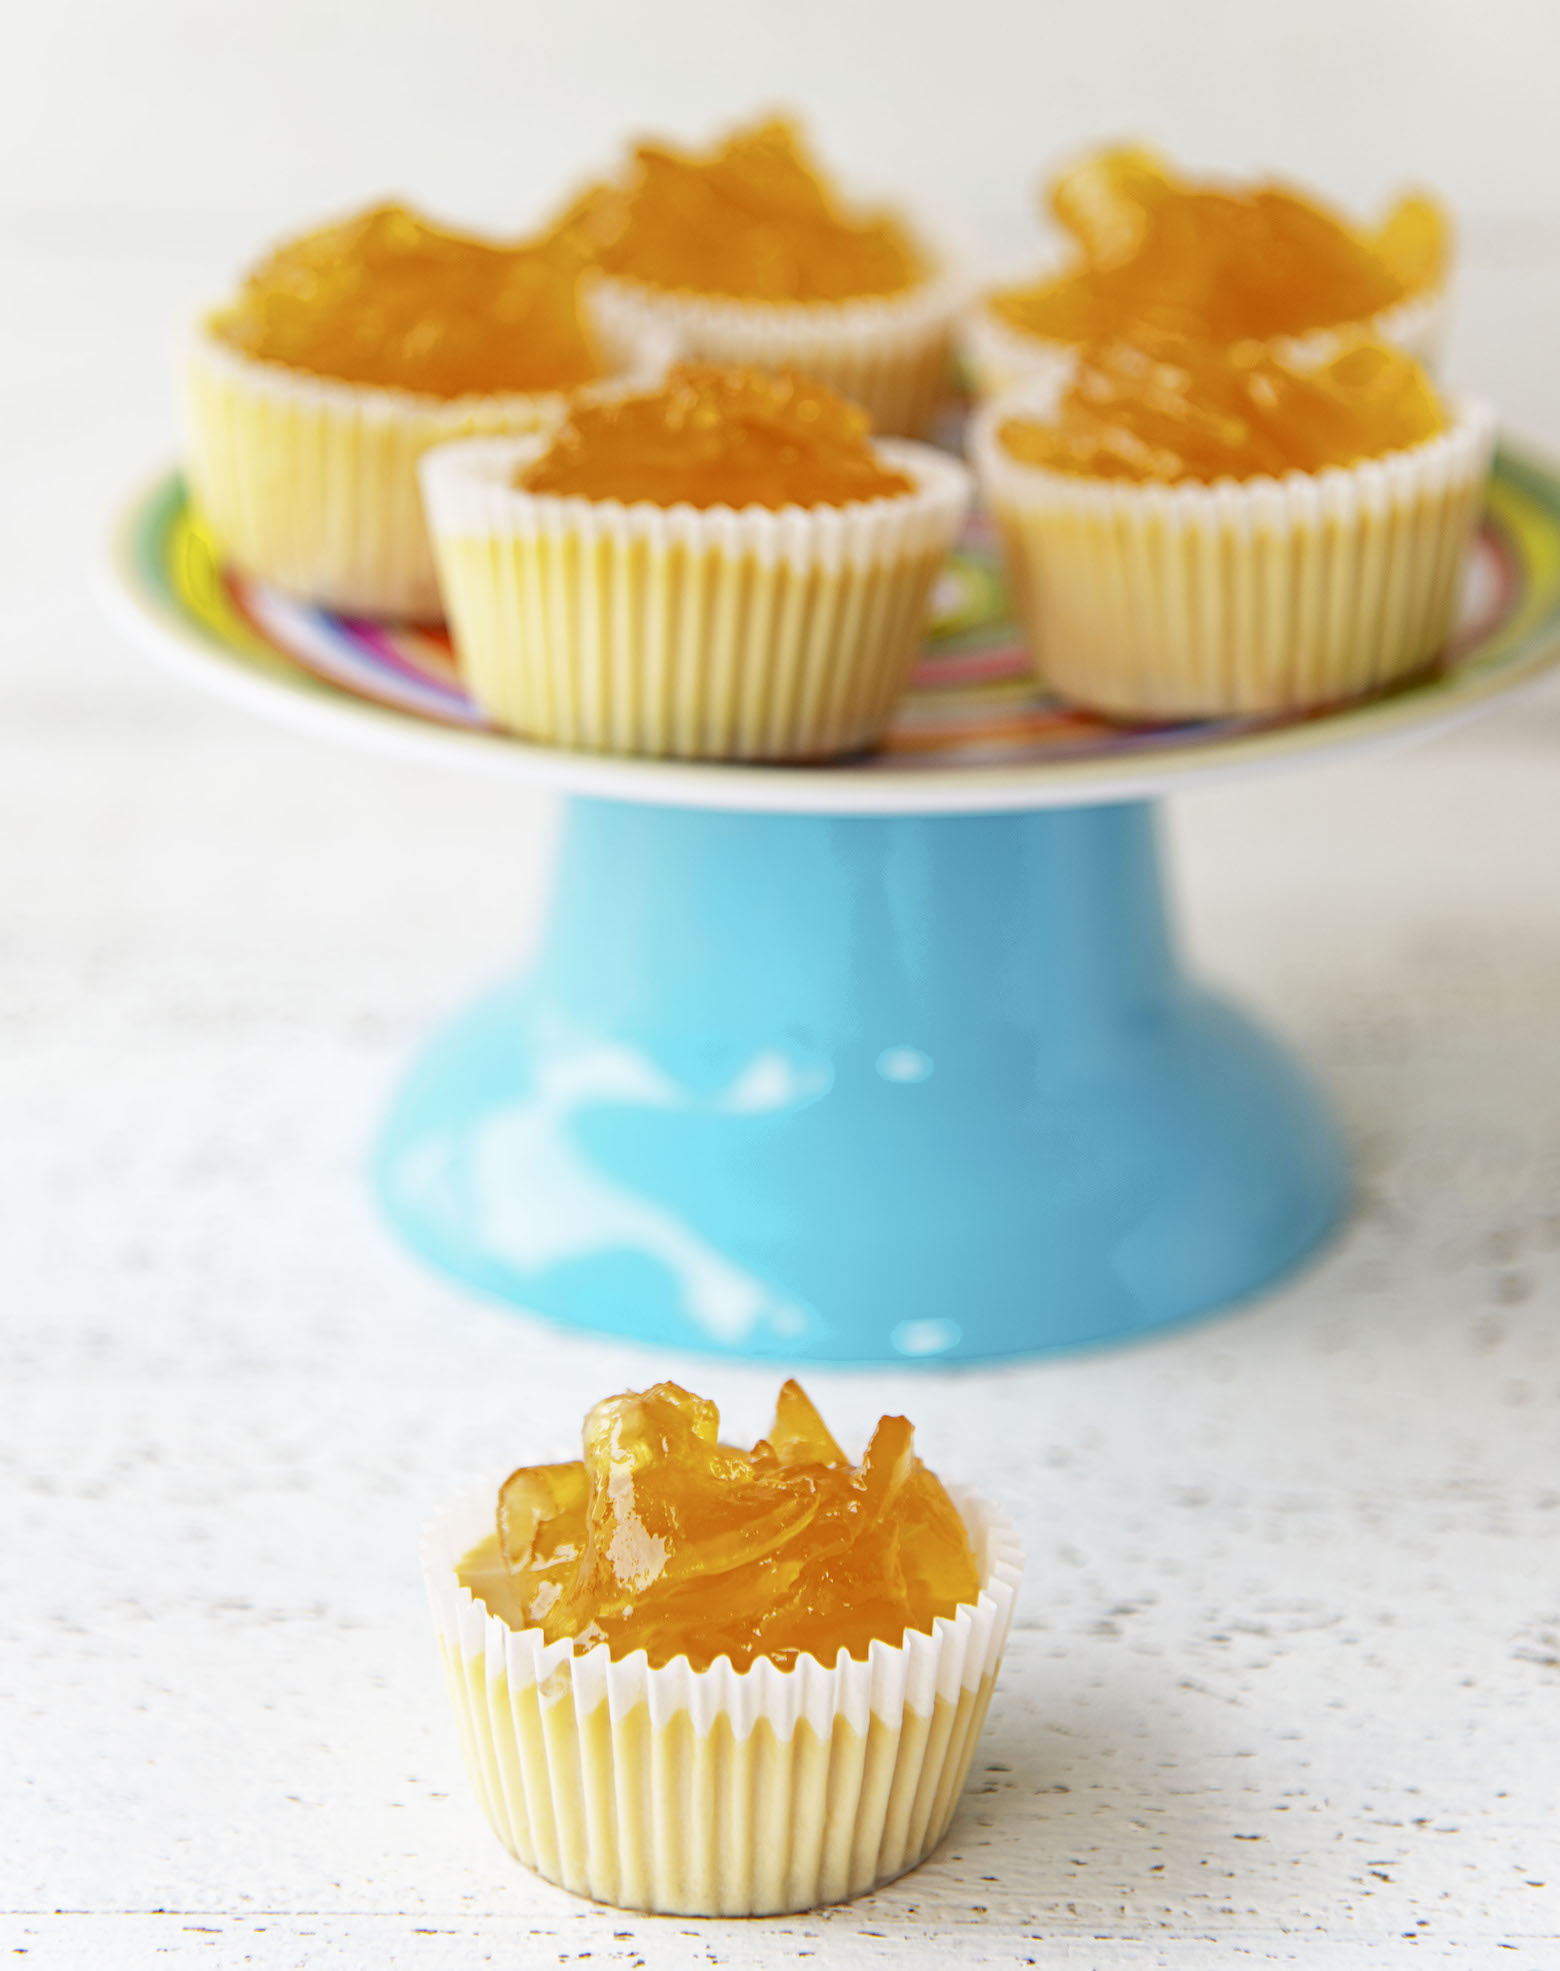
(890, 1060)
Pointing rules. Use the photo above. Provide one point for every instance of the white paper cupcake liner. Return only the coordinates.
(998, 357)
(311, 484)
(891, 354)
(718, 1792)
(1260, 596)
(684, 632)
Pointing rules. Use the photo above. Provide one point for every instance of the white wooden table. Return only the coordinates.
(1285, 1687)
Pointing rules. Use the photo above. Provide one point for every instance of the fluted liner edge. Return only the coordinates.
(1256, 596)
(684, 632)
(717, 1792)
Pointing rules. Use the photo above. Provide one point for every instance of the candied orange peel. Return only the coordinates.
(717, 435)
(752, 219)
(1159, 253)
(1176, 410)
(388, 299)
(1170, 410)
(664, 1539)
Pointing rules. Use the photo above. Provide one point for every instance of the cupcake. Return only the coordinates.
(709, 1682)
(747, 254)
(310, 398)
(1194, 530)
(726, 567)
(1154, 253)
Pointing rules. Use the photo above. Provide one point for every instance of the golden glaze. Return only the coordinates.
(1172, 410)
(1158, 253)
(717, 436)
(664, 1539)
(753, 219)
(388, 299)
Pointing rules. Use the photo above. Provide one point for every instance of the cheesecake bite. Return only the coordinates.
(1206, 530)
(749, 252)
(728, 567)
(723, 1682)
(347, 353)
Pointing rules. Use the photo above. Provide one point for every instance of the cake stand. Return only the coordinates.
(894, 1060)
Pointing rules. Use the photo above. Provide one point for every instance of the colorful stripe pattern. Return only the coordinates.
(973, 701)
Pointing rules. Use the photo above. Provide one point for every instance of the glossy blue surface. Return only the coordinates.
(859, 1090)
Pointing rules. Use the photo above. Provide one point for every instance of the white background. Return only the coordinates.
(1286, 1687)
(490, 108)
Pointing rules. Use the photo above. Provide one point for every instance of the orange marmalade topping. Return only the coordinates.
(1157, 252)
(714, 436)
(388, 299)
(1174, 410)
(754, 219)
(664, 1539)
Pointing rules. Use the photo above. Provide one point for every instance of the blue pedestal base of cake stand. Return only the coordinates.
(859, 1089)
(881, 1061)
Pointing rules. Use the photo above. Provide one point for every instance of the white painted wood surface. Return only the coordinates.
(1286, 1685)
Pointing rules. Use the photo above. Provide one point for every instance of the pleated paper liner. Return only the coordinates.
(684, 632)
(1240, 598)
(889, 353)
(973, 703)
(718, 1792)
(311, 484)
